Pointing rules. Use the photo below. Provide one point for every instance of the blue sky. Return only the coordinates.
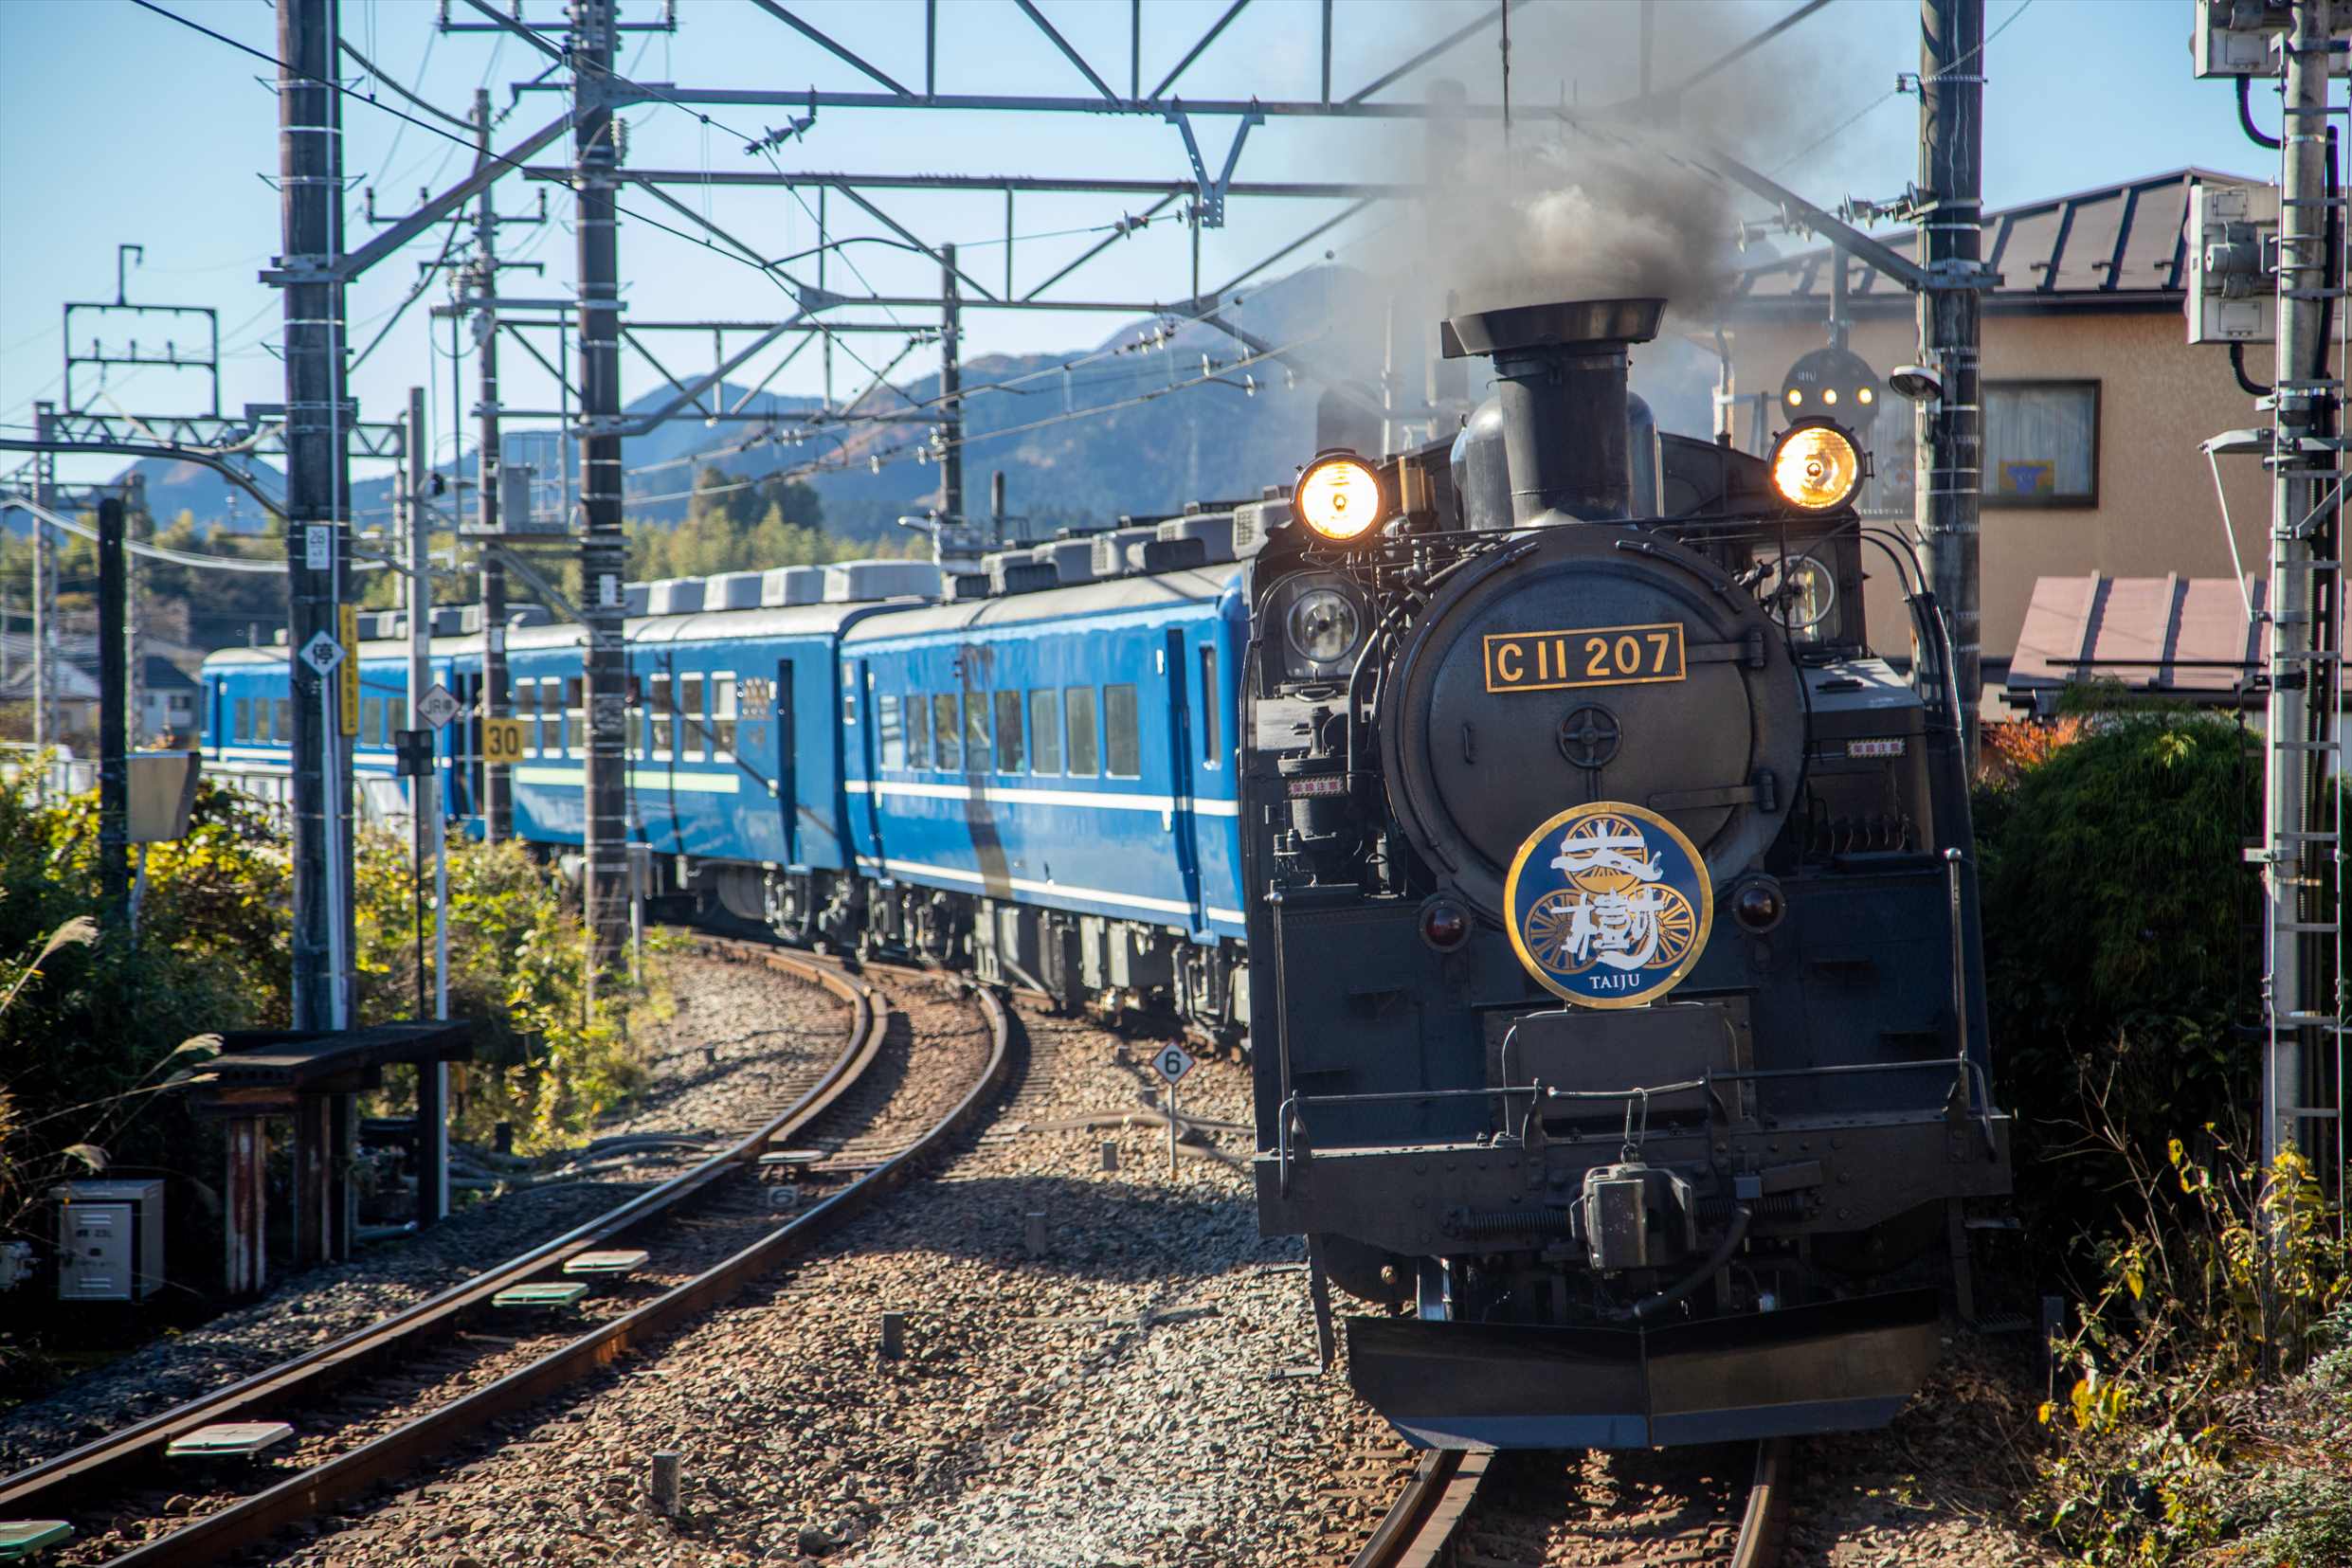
(121, 126)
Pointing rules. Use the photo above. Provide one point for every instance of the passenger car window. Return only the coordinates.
(282, 716)
(945, 733)
(659, 704)
(723, 717)
(1044, 732)
(691, 727)
(371, 721)
(918, 731)
(575, 715)
(242, 728)
(1077, 704)
(1120, 747)
(893, 738)
(1009, 750)
(976, 732)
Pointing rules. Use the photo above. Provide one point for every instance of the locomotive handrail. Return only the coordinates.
(1295, 1108)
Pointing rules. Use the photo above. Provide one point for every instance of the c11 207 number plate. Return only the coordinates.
(1590, 656)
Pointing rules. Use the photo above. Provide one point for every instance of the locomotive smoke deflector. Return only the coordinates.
(1560, 381)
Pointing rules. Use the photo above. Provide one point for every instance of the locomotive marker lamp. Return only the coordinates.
(1816, 466)
(1339, 496)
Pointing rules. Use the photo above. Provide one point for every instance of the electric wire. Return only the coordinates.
(1846, 124)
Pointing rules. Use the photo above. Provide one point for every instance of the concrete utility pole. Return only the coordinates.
(133, 625)
(1950, 427)
(2302, 546)
(950, 391)
(424, 795)
(603, 550)
(310, 166)
(43, 593)
(114, 776)
(498, 780)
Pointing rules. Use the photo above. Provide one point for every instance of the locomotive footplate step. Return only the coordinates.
(228, 1440)
(1839, 1366)
(609, 1265)
(21, 1538)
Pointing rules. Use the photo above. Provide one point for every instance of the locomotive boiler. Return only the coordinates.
(1614, 980)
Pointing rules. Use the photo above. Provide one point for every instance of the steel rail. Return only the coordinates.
(1763, 1528)
(1421, 1526)
(1418, 1526)
(320, 1486)
(40, 1489)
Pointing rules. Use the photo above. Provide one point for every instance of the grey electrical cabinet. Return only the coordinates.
(109, 1241)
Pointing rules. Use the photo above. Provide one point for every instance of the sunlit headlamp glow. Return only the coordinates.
(1338, 497)
(1816, 467)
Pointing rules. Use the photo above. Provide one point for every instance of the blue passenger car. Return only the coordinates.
(1058, 764)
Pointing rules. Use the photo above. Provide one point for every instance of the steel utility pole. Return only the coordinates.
(310, 167)
(1950, 427)
(951, 392)
(43, 593)
(603, 551)
(2301, 548)
(498, 778)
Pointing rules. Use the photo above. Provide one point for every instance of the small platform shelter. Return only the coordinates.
(314, 1079)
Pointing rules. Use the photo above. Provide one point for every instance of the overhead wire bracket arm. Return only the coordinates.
(1030, 10)
(829, 46)
(1211, 207)
(352, 264)
(1827, 224)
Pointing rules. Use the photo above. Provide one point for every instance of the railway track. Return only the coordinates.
(1542, 1507)
(373, 1405)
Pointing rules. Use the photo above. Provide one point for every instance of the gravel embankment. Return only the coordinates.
(1120, 1399)
(740, 1035)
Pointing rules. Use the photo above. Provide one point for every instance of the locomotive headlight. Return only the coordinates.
(1323, 627)
(1338, 497)
(1816, 466)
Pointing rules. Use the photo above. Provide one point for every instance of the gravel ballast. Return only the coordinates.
(765, 1028)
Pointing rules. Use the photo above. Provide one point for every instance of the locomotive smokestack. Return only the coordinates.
(1561, 371)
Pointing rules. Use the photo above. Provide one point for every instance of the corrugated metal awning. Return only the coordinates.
(2187, 636)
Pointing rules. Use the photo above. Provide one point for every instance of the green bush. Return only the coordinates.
(548, 1060)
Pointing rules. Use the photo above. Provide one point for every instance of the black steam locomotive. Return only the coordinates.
(1617, 1005)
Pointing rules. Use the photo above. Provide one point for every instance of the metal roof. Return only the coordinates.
(2117, 246)
(2189, 636)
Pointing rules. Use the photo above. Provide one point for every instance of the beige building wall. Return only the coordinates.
(2158, 400)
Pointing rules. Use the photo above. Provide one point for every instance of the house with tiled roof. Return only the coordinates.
(2095, 404)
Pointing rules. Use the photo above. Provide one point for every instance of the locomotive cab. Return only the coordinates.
(1617, 1003)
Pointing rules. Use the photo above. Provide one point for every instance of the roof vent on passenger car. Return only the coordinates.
(469, 619)
(1254, 520)
(968, 584)
(1214, 529)
(1110, 557)
(635, 597)
(1158, 555)
(1021, 571)
(1073, 560)
(859, 582)
(530, 615)
(780, 586)
(448, 620)
(732, 590)
(674, 596)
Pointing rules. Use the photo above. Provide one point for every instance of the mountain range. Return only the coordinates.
(1155, 414)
